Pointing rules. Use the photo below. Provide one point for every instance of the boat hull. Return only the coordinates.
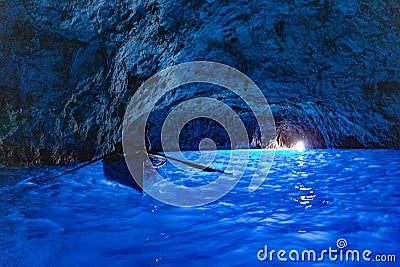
(115, 169)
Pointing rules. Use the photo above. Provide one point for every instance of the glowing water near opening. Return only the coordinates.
(308, 201)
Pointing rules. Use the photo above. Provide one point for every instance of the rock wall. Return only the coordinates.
(329, 69)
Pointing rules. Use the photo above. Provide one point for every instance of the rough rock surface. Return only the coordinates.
(329, 69)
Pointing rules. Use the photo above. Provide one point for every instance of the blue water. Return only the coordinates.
(308, 201)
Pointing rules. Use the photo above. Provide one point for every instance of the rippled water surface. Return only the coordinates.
(308, 201)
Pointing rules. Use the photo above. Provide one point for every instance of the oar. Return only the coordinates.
(77, 168)
(194, 165)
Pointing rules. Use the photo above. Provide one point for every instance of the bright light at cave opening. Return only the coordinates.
(300, 147)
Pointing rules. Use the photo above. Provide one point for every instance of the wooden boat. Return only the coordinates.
(115, 169)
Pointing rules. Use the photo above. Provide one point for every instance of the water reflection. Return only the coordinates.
(301, 161)
(305, 197)
(307, 201)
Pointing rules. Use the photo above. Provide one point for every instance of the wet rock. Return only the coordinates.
(329, 69)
